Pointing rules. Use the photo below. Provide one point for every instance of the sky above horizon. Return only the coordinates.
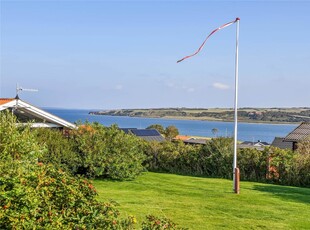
(122, 54)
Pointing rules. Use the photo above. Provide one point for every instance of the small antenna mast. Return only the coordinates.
(19, 88)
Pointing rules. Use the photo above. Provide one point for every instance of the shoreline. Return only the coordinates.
(282, 116)
(202, 119)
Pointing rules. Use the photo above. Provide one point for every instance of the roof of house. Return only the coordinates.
(127, 130)
(5, 100)
(146, 134)
(26, 113)
(182, 137)
(195, 141)
(299, 133)
(279, 143)
(259, 145)
(255, 143)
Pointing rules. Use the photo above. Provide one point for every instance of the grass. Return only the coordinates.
(208, 203)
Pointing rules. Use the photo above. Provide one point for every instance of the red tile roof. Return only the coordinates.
(182, 137)
(5, 100)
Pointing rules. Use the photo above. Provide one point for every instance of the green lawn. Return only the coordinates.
(207, 203)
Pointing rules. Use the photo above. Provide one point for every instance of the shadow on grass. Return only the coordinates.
(296, 194)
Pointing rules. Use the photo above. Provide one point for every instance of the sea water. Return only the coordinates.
(246, 131)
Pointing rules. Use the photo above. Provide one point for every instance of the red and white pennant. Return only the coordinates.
(214, 31)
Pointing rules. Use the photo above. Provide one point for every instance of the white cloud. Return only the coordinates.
(220, 86)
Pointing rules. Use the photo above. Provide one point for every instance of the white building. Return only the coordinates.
(37, 117)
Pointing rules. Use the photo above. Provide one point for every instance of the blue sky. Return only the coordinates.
(122, 54)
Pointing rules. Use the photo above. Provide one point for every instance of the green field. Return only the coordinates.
(208, 203)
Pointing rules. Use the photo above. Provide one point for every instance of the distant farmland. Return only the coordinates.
(264, 115)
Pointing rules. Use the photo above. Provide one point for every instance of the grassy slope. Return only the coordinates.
(207, 203)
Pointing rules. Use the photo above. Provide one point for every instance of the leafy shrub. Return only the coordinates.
(218, 154)
(171, 132)
(108, 152)
(59, 149)
(38, 195)
(216, 157)
(156, 223)
(301, 165)
(171, 157)
(213, 159)
(252, 164)
(94, 151)
(301, 169)
(16, 142)
(35, 195)
(280, 163)
(303, 147)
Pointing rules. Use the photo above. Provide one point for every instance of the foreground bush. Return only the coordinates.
(59, 149)
(301, 164)
(156, 223)
(37, 195)
(16, 142)
(215, 159)
(94, 151)
(172, 157)
(108, 152)
(253, 164)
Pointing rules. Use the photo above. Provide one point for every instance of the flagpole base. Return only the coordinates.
(237, 181)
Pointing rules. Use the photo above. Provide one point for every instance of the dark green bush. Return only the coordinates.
(156, 223)
(41, 196)
(108, 152)
(218, 155)
(171, 157)
(35, 195)
(280, 166)
(301, 170)
(94, 151)
(215, 159)
(252, 164)
(16, 142)
(59, 149)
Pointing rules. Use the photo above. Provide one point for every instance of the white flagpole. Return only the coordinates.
(235, 176)
(235, 169)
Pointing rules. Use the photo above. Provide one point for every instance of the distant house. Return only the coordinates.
(281, 144)
(298, 134)
(195, 141)
(27, 113)
(182, 137)
(146, 134)
(259, 145)
(191, 140)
